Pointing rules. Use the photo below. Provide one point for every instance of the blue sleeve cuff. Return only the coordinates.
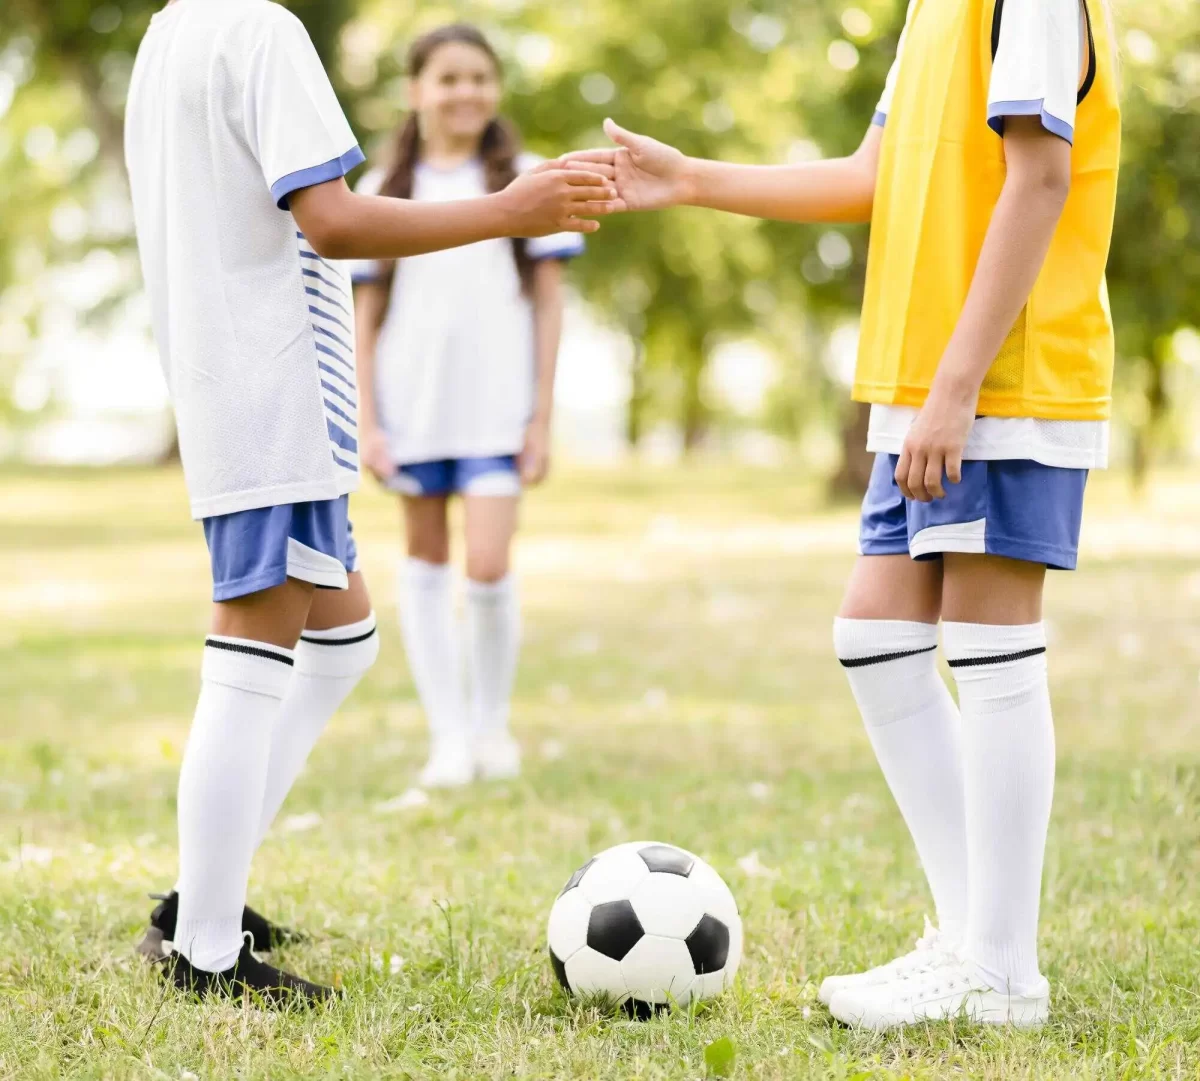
(361, 277)
(316, 174)
(998, 110)
(879, 119)
(560, 247)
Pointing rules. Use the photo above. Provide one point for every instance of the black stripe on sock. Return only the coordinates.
(249, 651)
(883, 658)
(1005, 658)
(337, 641)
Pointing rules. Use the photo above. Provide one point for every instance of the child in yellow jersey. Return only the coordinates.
(989, 178)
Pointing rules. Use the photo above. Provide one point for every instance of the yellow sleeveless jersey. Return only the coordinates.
(941, 171)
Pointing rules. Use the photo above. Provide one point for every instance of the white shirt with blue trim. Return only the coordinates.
(1037, 71)
(455, 366)
(230, 111)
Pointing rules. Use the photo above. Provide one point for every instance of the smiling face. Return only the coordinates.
(457, 92)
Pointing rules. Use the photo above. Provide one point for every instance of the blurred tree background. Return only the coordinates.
(760, 81)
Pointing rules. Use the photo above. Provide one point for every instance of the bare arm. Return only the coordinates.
(342, 225)
(547, 327)
(1014, 249)
(652, 176)
(833, 190)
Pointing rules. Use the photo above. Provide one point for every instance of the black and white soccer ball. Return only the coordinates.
(645, 924)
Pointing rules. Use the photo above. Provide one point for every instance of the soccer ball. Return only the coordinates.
(645, 924)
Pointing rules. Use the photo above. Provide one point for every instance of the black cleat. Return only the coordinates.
(264, 935)
(248, 977)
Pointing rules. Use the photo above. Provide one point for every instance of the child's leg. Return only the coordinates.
(431, 636)
(886, 638)
(996, 645)
(493, 610)
(339, 644)
(247, 669)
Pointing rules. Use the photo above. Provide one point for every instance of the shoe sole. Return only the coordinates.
(1023, 1014)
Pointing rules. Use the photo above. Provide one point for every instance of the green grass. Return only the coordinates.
(677, 683)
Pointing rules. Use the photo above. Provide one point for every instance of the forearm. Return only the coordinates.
(1010, 261)
(834, 190)
(547, 332)
(376, 227)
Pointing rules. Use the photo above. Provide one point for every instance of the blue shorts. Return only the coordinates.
(1017, 509)
(461, 476)
(252, 550)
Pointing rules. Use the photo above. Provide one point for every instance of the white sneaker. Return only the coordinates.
(953, 988)
(497, 756)
(450, 765)
(932, 947)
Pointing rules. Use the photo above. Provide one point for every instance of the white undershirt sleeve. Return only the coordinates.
(1036, 69)
(889, 88)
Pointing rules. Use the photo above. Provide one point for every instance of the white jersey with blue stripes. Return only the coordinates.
(229, 113)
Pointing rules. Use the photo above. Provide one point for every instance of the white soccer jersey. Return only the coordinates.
(229, 112)
(455, 363)
(1037, 71)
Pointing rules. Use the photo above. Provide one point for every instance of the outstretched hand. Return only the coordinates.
(649, 175)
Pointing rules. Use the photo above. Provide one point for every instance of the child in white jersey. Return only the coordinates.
(237, 148)
(457, 353)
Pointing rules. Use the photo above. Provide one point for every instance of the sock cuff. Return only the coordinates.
(971, 645)
(425, 575)
(496, 591)
(247, 665)
(861, 643)
(339, 652)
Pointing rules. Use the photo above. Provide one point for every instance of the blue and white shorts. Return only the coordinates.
(252, 550)
(1017, 509)
(460, 476)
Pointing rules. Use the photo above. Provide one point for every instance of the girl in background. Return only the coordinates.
(457, 354)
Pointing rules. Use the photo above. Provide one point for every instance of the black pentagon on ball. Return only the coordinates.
(709, 945)
(577, 877)
(640, 1010)
(560, 970)
(614, 929)
(667, 860)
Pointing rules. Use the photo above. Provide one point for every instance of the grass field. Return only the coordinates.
(677, 684)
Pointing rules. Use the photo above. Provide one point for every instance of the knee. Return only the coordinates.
(429, 546)
(345, 652)
(486, 565)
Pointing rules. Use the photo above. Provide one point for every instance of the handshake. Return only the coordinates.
(569, 193)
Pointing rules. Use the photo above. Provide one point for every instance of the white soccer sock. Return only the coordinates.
(1008, 737)
(915, 730)
(329, 665)
(494, 636)
(431, 641)
(221, 785)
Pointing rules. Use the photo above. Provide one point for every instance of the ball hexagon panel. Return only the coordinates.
(659, 969)
(591, 973)
(613, 876)
(708, 945)
(568, 929)
(712, 984)
(714, 894)
(668, 905)
(667, 859)
(613, 929)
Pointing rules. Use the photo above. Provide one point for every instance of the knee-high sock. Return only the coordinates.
(1008, 737)
(329, 665)
(494, 635)
(431, 640)
(915, 730)
(221, 785)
